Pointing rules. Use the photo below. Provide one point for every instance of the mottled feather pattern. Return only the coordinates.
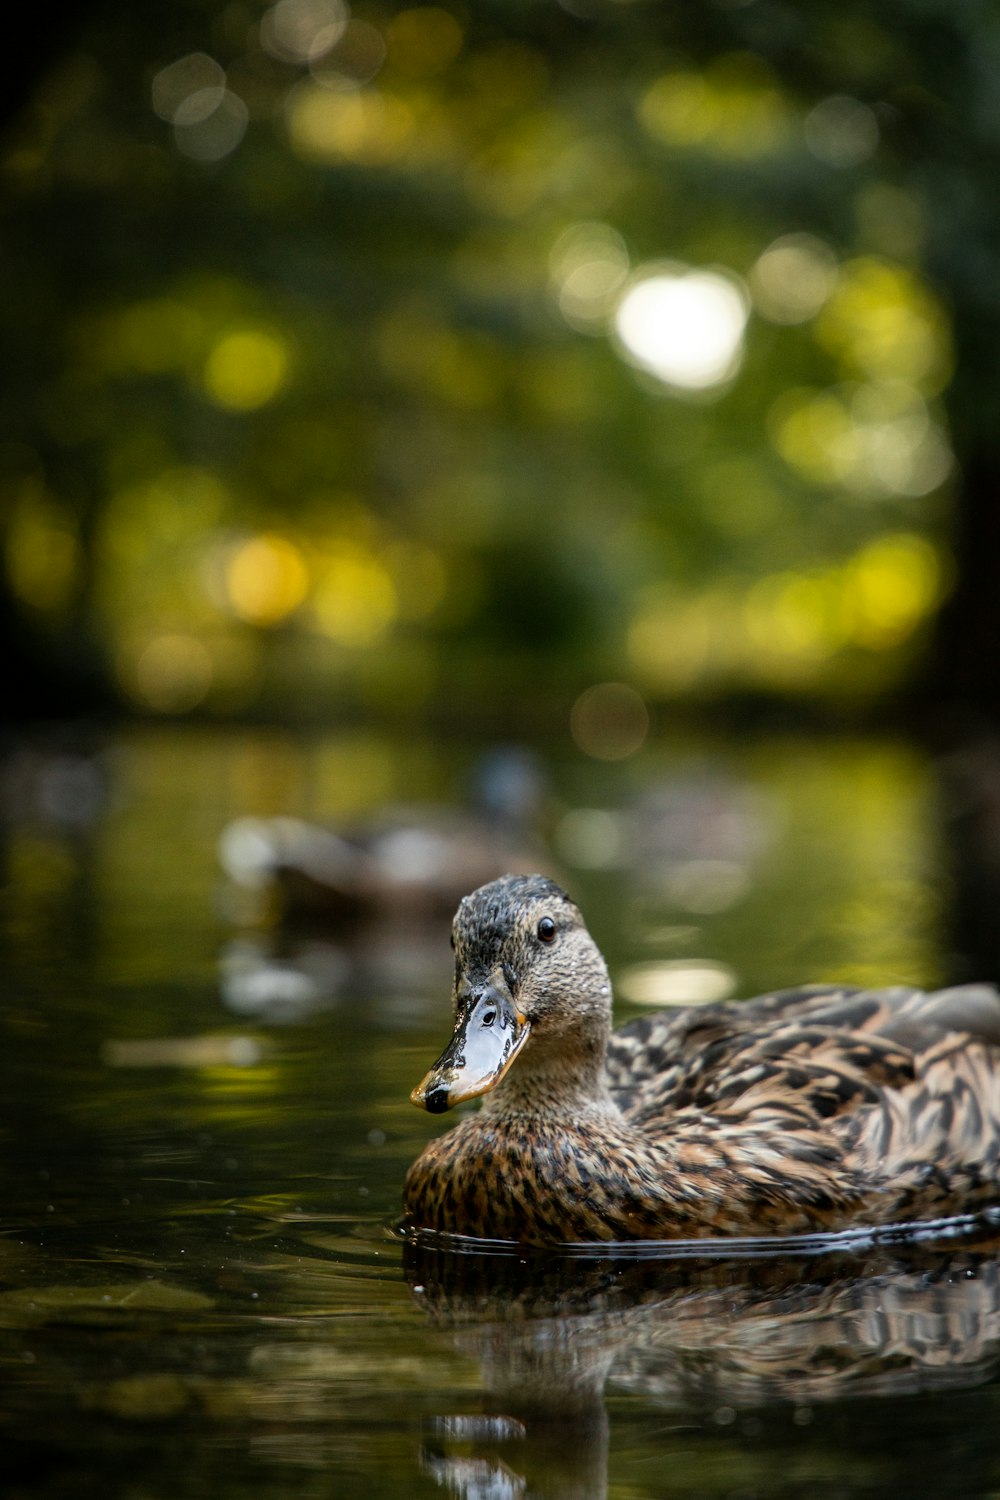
(806, 1109)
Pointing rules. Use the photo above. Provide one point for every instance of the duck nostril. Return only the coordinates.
(436, 1102)
(489, 1017)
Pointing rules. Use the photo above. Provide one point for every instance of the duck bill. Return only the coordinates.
(489, 1033)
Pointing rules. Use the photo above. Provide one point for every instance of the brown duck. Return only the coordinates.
(809, 1109)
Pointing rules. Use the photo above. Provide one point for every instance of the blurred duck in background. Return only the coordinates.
(306, 896)
(407, 861)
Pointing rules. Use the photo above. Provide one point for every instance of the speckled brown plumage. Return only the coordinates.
(809, 1109)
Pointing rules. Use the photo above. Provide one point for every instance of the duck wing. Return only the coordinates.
(673, 1059)
(697, 1051)
(898, 1086)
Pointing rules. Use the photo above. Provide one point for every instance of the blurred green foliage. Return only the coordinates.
(411, 358)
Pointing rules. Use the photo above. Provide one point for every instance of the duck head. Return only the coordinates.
(530, 984)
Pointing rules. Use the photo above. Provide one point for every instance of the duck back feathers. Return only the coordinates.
(858, 1040)
(895, 1092)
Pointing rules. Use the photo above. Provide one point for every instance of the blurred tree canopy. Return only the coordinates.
(447, 358)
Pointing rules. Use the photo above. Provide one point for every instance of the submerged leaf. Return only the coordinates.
(142, 1396)
(46, 1304)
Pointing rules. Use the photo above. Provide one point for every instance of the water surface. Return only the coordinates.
(207, 1127)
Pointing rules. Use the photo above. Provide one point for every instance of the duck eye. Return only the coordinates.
(546, 930)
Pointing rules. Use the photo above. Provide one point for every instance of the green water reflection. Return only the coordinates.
(201, 1290)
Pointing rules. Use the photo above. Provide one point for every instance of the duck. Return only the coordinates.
(409, 862)
(808, 1110)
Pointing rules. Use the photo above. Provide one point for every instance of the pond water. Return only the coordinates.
(207, 1126)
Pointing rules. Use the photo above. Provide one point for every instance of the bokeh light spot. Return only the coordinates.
(841, 131)
(874, 440)
(609, 721)
(891, 586)
(705, 887)
(796, 616)
(883, 322)
(676, 982)
(734, 109)
(355, 601)
(220, 125)
(591, 837)
(266, 579)
(197, 107)
(588, 264)
(369, 128)
(670, 641)
(301, 31)
(812, 431)
(247, 368)
(196, 77)
(171, 674)
(683, 326)
(793, 278)
(354, 59)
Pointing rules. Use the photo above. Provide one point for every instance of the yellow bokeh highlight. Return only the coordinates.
(266, 579)
(795, 616)
(734, 109)
(670, 641)
(882, 321)
(871, 439)
(355, 599)
(42, 552)
(874, 601)
(811, 430)
(890, 587)
(791, 630)
(247, 368)
(372, 128)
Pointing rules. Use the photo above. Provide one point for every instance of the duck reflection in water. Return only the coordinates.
(707, 1336)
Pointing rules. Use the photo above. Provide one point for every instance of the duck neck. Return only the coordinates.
(548, 1082)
